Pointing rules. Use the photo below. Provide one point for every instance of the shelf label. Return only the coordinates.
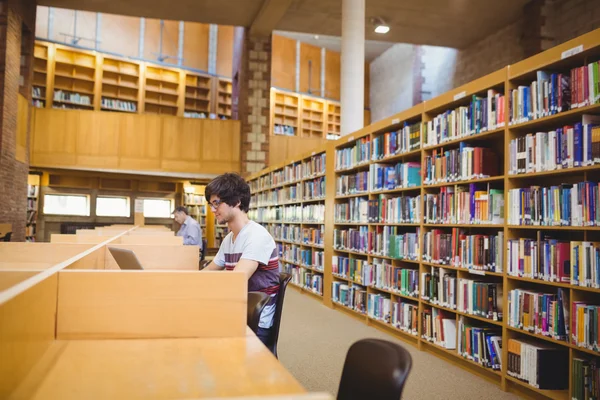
(476, 272)
(139, 205)
(395, 121)
(351, 138)
(460, 95)
(571, 52)
(313, 153)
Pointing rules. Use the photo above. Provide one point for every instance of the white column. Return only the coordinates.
(353, 66)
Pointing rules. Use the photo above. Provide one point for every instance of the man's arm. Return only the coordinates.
(213, 267)
(193, 236)
(247, 266)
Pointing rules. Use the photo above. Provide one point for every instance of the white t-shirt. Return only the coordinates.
(254, 243)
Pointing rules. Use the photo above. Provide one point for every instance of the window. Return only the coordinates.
(157, 208)
(112, 206)
(67, 204)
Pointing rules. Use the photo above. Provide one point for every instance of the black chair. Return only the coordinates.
(203, 250)
(256, 303)
(374, 369)
(284, 279)
(6, 238)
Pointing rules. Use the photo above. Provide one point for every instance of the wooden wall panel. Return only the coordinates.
(225, 50)
(220, 146)
(332, 75)
(114, 28)
(282, 148)
(98, 140)
(151, 304)
(181, 142)
(158, 257)
(140, 142)
(54, 137)
(310, 68)
(21, 145)
(283, 63)
(195, 45)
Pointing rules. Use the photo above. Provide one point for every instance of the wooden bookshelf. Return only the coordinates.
(39, 94)
(33, 197)
(285, 113)
(223, 100)
(333, 119)
(120, 85)
(74, 82)
(497, 86)
(198, 95)
(196, 206)
(162, 89)
(313, 116)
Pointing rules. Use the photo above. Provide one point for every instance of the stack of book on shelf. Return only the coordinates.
(118, 105)
(404, 140)
(541, 365)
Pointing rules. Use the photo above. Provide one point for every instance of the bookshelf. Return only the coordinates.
(33, 194)
(161, 90)
(333, 119)
(74, 79)
(284, 113)
(289, 202)
(120, 85)
(480, 189)
(39, 84)
(195, 203)
(313, 117)
(197, 96)
(223, 95)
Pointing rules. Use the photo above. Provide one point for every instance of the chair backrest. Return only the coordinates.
(374, 369)
(6, 237)
(284, 279)
(256, 303)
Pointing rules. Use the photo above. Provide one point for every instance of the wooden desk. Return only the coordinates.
(157, 369)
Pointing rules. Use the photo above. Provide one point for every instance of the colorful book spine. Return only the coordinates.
(481, 344)
(395, 210)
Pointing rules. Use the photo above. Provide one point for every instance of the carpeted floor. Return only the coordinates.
(314, 340)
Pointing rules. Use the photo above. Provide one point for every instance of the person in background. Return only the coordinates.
(190, 229)
(248, 247)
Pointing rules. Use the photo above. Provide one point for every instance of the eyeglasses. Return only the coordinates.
(215, 204)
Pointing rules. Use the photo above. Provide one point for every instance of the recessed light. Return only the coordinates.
(382, 29)
(317, 37)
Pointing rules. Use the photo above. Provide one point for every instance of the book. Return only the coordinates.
(541, 365)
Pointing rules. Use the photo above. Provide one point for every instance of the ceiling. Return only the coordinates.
(450, 23)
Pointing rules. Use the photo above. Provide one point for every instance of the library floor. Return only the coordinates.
(314, 340)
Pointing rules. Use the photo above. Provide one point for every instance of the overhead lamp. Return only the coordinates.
(380, 25)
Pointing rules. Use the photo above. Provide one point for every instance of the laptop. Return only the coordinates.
(126, 259)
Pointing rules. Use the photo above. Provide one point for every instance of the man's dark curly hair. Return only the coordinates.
(231, 189)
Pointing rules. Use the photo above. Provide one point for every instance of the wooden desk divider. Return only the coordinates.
(150, 304)
(151, 232)
(21, 252)
(151, 240)
(4, 229)
(158, 257)
(10, 278)
(89, 239)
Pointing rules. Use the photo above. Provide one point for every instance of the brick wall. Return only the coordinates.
(567, 19)
(252, 94)
(13, 174)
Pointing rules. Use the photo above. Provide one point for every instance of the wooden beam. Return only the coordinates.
(269, 16)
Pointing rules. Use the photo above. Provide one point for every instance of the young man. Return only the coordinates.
(190, 229)
(248, 247)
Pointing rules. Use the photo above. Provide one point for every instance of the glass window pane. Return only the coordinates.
(157, 208)
(66, 204)
(112, 207)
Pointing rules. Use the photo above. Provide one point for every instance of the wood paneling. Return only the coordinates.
(140, 151)
(225, 50)
(332, 75)
(283, 63)
(282, 148)
(114, 28)
(150, 304)
(10, 278)
(310, 69)
(195, 45)
(98, 139)
(152, 240)
(54, 137)
(27, 326)
(22, 128)
(220, 146)
(181, 144)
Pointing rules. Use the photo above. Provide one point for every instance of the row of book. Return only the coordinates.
(119, 104)
(567, 204)
(553, 93)
(539, 364)
(480, 252)
(286, 130)
(465, 204)
(30, 230)
(289, 173)
(552, 260)
(33, 190)
(545, 314)
(395, 210)
(350, 296)
(586, 377)
(197, 115)
(386, 241)
(348, 268)
(310, 213)
(314, 189)
(349, 157)
(305, 278)
(571, 146)
(313, 213)
(353, 210)
(480, 344)
(390, 177)
(312, 258)
(352, 184)
(195, 199)
(481, 115)
(438, 327)
(404, 140)
(37, 92)
(400, 314)
(59, 95)
(31, 204)
(316, 166)
(441, 287)
(461, 164)
(585, 325)
(293, 233)
(382, 275)
(289, 253)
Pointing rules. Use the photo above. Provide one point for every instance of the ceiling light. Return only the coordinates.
(382, 29)
(317, 37)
